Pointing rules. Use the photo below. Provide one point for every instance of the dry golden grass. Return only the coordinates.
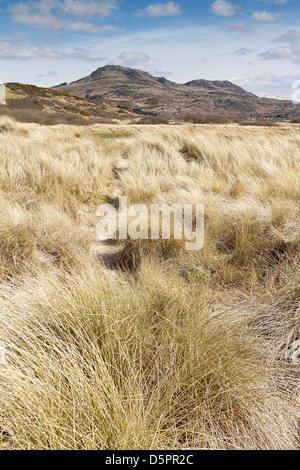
(184, 349)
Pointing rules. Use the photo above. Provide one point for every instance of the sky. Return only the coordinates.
(253, 43)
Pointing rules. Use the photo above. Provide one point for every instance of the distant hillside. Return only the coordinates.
(144, 93)
(30, 103)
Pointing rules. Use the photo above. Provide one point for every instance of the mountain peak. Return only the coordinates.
(108, 68)
(133, 74)
(118, 69)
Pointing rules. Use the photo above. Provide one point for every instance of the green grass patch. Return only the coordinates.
(113, 135)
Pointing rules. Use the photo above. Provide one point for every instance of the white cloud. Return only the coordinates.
(97, 9)
(278, 53)
(51, 73)
(239, 26)
(292, 36)
(291, 51)
(264, 16)
(22, 51)
(223, 8)
(25, 52)
(133, 58)
(276, 84)
(243, 51)
(55, 14)
(160, 9)
(83, 54)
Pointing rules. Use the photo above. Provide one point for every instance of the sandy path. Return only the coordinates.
(107, 251)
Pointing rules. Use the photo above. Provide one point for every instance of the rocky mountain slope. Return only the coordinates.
(125, 87)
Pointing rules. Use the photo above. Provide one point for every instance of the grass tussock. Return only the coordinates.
(49, 188)
(184, 349)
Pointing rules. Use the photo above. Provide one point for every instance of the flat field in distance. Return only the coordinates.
(148, 346)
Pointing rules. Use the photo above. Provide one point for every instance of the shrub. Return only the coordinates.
(261, 123)
(205, 119)
(152, 120)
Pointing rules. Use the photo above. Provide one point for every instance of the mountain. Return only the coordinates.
(138, 90)
(118, 94)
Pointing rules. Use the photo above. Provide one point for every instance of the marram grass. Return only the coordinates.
(180, 350)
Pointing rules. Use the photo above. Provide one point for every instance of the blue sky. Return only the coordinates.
(254, 43)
